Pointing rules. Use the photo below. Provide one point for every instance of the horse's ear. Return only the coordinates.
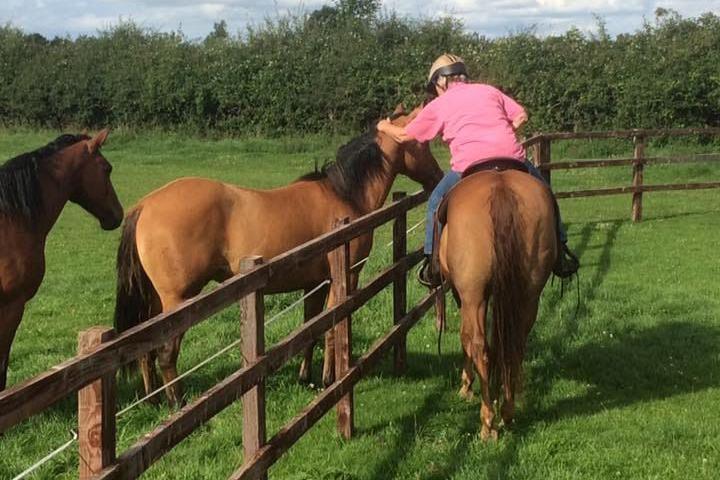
(399, 109)
(97, 141)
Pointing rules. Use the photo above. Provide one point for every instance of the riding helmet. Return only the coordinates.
(446, 64)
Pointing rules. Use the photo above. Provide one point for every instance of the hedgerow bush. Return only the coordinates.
(342, 66)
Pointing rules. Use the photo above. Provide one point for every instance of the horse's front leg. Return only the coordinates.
(313, 306)
(10, 316)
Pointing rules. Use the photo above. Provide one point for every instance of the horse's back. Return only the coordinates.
(194, 230)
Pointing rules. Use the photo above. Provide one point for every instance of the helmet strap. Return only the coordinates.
(442, 82)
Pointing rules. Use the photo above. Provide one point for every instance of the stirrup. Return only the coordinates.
(426, 276)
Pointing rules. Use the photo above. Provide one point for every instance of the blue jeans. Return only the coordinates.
(447, 182)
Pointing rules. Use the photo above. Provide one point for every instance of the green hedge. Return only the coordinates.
(343, 66)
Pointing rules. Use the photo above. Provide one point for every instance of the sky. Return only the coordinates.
(195, 19)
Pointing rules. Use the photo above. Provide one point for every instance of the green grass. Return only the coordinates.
(627, 387)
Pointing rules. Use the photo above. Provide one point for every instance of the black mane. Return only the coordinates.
(356, 163)
(19, 177)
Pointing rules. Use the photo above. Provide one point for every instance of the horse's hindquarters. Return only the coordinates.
(499, 246)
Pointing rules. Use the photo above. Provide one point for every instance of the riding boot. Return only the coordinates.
(427, 275)
(566, 263)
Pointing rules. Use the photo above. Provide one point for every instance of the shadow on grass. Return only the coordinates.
(439, 407)
(669, 359)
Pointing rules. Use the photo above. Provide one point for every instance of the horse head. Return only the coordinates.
(413, 159)
(92, 188)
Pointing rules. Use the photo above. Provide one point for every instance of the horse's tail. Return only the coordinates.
(133, 299)
(509, 287)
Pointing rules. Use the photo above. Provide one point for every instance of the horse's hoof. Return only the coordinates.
(176, 403)
(304, 377)
(466, 393)
(507, 422)
(328, 379)
(488, 434)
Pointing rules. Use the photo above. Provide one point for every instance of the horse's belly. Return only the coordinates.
(304, 277)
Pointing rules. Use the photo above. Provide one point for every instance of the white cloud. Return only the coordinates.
(489, 17)
(89, 22)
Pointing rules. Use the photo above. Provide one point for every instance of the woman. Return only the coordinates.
(478, 122)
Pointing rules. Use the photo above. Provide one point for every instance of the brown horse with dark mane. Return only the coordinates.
(194, 230)
(499, 245)
(34, 188)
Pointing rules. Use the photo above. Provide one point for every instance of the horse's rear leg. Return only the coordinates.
(167, 356)
(468, 374)
(474, 314)
(149, 375)
(507, 411)
(146, 362)
(313, 306)
(167, 360)
(10, 316)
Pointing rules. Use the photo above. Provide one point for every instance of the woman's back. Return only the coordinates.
(475, 121)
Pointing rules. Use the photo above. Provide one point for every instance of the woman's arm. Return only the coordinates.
(519, 121)
(395, 131)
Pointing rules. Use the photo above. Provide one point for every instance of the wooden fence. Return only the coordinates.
(540, 147)
(92, 372)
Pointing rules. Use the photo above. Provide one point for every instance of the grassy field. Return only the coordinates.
(627, 386)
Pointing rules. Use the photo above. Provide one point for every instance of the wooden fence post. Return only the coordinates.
(97, 405)
(637, 181)
(535, 149)
(340, 275)
(252, 332)
(400, 282)
(544, 159)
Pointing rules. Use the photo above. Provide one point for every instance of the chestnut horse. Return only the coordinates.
(499, 244)
(34, 188)
(194, 230)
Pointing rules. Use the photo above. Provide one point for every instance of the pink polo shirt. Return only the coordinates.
(475, 121)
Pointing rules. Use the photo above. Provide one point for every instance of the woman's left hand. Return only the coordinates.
(383, 124)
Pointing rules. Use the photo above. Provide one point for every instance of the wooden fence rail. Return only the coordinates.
(540, 147)
(92, 372)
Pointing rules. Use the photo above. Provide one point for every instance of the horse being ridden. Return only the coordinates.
(34, 188)
(499, 246)
(194, 230)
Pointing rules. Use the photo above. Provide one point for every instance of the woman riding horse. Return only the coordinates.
(503, 232)
(478, 122)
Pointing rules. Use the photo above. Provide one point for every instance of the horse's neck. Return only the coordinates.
(55, 183)
(378, 188)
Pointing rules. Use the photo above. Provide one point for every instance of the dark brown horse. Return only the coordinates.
(34, 188)
(194, 230)
(499, 245)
